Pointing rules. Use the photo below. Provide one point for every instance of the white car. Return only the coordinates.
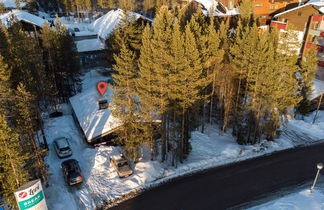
(62, 147)
(121, 166)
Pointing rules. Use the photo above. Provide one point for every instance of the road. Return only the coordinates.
(228, 186)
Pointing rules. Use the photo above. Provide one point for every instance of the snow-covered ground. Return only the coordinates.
(300, 198)
(101, 183)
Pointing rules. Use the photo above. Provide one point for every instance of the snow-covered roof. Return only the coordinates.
(105, 25)
(22, 16)
(93, 121)
(318, 4)
(210, 4)
(87, 45)
(11, 3)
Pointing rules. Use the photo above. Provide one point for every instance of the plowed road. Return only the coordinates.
(231, 185)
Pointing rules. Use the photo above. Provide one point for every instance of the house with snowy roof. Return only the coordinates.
(308, 21)
(96, 123)
(91, 50)
(30, 23)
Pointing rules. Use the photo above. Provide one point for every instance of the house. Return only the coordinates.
(96, 125)
(308, 20)
(298, 17)
(31, 24)
(91, 42)
(264, 9)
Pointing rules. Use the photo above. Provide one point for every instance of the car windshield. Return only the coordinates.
(64, 149)
(121, 164)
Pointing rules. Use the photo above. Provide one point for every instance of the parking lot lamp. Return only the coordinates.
(319, 167)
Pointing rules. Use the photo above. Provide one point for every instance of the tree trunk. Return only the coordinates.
(318, 106)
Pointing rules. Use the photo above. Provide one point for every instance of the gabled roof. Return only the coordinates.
(21, 16)
(317, 5)
(106, 24)
(94, 122)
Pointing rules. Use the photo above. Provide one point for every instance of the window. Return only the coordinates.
(299, 13)
(273, 7)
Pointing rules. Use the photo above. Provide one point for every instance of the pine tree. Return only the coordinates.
(24, 57)
(13, 172)
(145, 90)
(61, 60)
(125, 104)
(306, 76)
(190, 86)
(127, 5)
(148, 7)
(26, 120)
(128, 32)
(2, 8)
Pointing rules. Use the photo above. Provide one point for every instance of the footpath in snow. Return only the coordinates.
(101, 184)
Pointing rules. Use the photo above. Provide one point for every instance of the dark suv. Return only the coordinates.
(71, 172)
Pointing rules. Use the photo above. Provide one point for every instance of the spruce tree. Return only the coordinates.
(305, 77)
(62, 61)
(13, 172)
(145, 89)
(26, 120)
(125, 103)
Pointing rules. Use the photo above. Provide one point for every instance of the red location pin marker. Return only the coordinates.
(102, 87)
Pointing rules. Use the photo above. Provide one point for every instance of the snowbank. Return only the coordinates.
(22, 16)
(298, 201)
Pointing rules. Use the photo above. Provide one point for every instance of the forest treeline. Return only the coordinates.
(180, 73)
(188, 70)
(148, 7)
(36, 71)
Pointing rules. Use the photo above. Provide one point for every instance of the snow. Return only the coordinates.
(21, 16)
(89, 45)
(93, 121)
(102, 185)
(318, 89)
(298, 201)
(106, 24)
(11, 3)
(210, 4)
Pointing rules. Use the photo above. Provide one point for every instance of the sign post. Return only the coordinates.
(30, 196)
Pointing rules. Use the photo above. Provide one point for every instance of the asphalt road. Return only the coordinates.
(228, 186)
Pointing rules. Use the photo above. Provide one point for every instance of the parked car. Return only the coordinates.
(121, 165)
(71, 172)
(62, 147)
